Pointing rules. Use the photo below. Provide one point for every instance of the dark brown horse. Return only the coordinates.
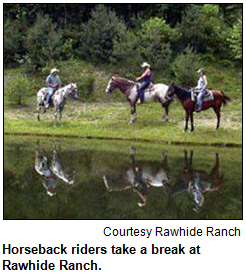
(197, 182)
(184, 97)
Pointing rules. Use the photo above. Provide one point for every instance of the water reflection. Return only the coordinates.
(105, 180)
(51, 171)
(140, 177)
(197, 182)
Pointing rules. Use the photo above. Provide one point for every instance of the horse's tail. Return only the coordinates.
(225, 98)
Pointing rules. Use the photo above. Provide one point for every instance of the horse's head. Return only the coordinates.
(111, 85)
(74, 91)
(171, 90)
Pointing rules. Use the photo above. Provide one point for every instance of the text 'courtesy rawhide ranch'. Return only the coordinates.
(87, 263)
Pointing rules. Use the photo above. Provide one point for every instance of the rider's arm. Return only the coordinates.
(59, 84)
(147, 71)
(206, 81)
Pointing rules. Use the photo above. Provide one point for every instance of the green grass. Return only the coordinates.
(109, 117)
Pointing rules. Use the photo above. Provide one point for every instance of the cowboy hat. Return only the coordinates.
(145, 64)
(200, 70)
(54, 70)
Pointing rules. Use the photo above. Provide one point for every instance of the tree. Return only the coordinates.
(203, 28)
(155, 35)
(14, 36)
(236, 40)
(43, 42)
(99, 33)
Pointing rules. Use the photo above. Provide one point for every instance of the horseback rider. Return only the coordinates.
(53, 83)
(201, 88)
(145, 79)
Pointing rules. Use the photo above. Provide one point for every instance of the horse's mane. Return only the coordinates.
(182, 92)
(125, 80)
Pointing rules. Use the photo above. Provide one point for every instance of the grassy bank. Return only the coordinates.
(112, 121)
(108, 116)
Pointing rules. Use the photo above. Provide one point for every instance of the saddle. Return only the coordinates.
(45, 93)
(149, 89)
(207, 97)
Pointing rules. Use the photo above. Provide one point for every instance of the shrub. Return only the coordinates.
(77, 72)
(98, 34)
(87, 87)
(18, 89)
(185, 68)
(43, 43)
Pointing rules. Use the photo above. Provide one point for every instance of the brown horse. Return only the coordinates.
(184, 97)
(197, 182)
(157, 92)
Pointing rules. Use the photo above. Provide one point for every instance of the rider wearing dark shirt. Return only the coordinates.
(146, 79)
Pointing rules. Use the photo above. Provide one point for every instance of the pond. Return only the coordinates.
(96, 179)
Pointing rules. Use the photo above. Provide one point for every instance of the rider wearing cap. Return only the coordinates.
(146, 79)
(53, 83)
(201, 88)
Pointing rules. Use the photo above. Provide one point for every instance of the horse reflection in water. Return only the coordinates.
(197, 182)
(140, 179)
(51, 173)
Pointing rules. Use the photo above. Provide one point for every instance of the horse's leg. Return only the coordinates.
(38, 112)
(217, 112)
(186, 120)
(164, 159)
(132, 155)
(134, 114)
(165, 113)
(216, 180)
(186, 163)
(60, 114)
(191, 160)
(192, 121)
(56, 112)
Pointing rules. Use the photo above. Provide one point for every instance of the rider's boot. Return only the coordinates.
(198, 108)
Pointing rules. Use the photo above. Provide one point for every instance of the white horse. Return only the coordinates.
(58, 99)
(156, 92)
(140, 180)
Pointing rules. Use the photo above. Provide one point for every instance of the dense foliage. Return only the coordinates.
(125, 34)
(18, 90)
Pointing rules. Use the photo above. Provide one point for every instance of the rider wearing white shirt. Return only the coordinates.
(201, 88)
